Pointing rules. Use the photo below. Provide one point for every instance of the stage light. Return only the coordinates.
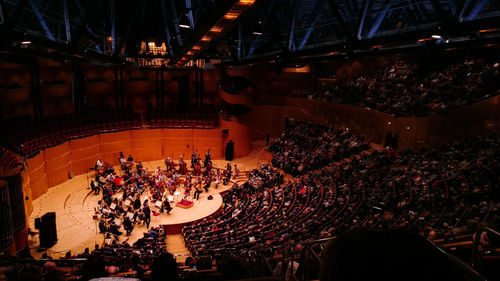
(389, 123)
(189, 53)
(26, 42)
(196, 47)
(246, 2)
(231, 16)
(184, 26)
(206, 38)
(215, 29)
(435, 36)
(257, 33)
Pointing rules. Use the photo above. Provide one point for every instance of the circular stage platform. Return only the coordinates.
(74, 203)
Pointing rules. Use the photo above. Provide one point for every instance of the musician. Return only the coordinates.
(139, 167)
(194, 158)
(166, 206)
(122, 159)
(94, 187)
(99, 164)
(182, 165)
(147, 213)
(218, 178)
(127, 225)
(207, 184)
(236, 171)
(208, 158)
(168, 163)
(197, 191)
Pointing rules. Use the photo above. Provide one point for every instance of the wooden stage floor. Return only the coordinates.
(73, 202)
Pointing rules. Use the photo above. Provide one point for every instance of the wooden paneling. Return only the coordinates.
(58, 163)
(52, 166)
(240, 134)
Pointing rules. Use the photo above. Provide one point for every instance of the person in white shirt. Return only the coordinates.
(99, 163)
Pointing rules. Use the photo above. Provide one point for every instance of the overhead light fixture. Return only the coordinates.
(196, 47)
(206, 38)
(257, 33)
(246, 2)
(215, 29)
(184, 26)
(26, 42)
(231, 16)
(189, 53)
(435, 36)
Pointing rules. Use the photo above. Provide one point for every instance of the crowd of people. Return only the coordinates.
(304, 147)
(407, 88)
(439, 193)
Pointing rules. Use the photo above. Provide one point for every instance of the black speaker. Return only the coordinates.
(48, 231)
(229, 150)
(37, 223)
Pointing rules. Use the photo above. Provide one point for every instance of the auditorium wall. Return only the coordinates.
(481, 118)
(54, 165)
(239, 132)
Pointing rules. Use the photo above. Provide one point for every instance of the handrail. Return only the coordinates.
(475, 246)
(464, 268)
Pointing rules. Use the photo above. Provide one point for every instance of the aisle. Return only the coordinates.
(176, 246)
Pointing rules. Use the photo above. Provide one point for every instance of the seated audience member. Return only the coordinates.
(233, 267)
(94, 267)
(386, 255)
(24, 272)
(164, 267)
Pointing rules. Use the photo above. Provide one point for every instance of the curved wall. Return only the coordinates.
(53, 166)
(476, 119)
(239, 133)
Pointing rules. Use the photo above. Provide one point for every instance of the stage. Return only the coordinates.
(74, 203)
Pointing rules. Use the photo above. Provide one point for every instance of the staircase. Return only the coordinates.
(257, 149)
(176, 246)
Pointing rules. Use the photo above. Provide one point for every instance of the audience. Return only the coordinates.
(304, 147)
(407, 88)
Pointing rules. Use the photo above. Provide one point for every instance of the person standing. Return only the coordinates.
(147, 214)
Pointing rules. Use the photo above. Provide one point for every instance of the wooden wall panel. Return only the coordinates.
(28, 204)
(112, 144)
(146, 144)
(84, 153)
(240, 134)
(52, 166)
(58, 175)
(58, 163)
(37, 175)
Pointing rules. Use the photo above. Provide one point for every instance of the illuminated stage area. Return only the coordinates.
(74, 203)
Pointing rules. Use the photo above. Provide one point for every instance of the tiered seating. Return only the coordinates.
(8, 160)
(37, 135)
(418, 88)
(181, 121)
(304, 147)
(439, 193)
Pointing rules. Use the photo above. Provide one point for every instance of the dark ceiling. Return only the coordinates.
(112, 30)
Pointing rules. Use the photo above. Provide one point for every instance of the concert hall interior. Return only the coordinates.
(249, 140)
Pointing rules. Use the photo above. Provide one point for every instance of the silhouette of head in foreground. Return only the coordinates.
(386, 255)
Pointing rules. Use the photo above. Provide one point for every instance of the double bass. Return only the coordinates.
(182, 166)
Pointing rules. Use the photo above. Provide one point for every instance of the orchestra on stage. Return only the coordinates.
(130, 196)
